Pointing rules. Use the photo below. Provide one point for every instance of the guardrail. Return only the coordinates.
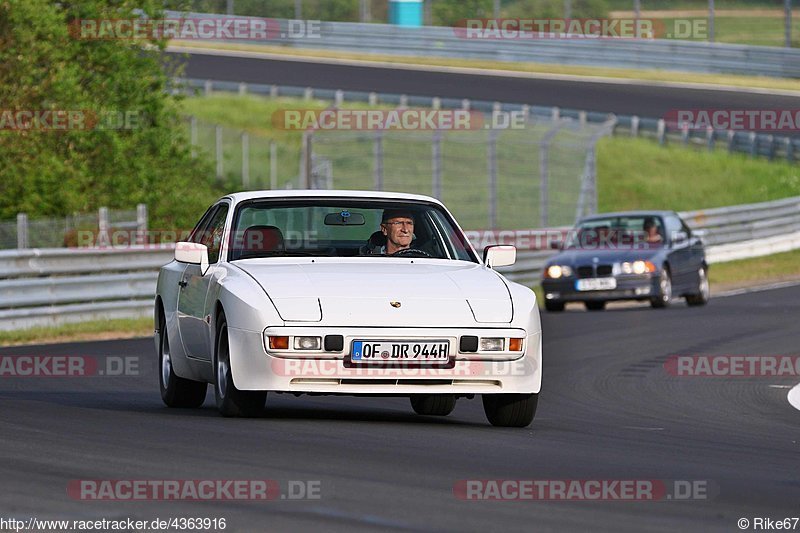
(53, 286)
(450, 42)
(747, 142)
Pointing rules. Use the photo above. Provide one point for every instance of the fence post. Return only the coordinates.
(465, 104)
(373, 99)
(582, 118)
(436, 164)
(753, 144)
(193, 135)
(103, 237)
(207, 87)
(770, 147)
(218, 149)
(338, 98)
(273, 91)
(555, 114)
(245, 160)
(22, 231)
(305, 165)
(662, 131)
(141, 218)
(308, 93)
(242, 88)
(377, 157)
(492, 164)
(710, 138)
(273, 165)
(685, 133)
(731, 140)
(403, 101)
(789, 149)
(436, 103)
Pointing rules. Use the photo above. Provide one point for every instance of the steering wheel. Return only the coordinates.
(411, 251)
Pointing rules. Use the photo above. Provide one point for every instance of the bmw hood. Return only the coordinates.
(383, 292)
(580, 256)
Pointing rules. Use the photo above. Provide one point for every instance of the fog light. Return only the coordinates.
(279, 343)
(514, 345)
(491, 344)
(307, 343)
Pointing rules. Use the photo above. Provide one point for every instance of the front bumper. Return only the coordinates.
(629, 287)
(469, 373)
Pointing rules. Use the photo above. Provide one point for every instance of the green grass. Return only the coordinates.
(639, 174)
(771, 267)
(95, 330)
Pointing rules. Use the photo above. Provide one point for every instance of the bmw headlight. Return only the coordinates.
(558, 271)
(637, 267)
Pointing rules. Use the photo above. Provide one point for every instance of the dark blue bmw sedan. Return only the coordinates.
(634, 255)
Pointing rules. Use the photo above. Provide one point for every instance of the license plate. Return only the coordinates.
(596, 284)
(383, 351)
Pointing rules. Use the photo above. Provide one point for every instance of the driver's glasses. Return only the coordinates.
(404, 223)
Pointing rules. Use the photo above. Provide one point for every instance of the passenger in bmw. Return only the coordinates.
(653, 236)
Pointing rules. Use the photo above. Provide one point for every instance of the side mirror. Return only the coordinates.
(679, 238)
(192, 253)
(499, 255)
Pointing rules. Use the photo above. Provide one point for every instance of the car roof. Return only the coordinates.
(326, 193)
(628, 214)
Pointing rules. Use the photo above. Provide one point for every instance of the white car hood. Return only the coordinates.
(431, 293)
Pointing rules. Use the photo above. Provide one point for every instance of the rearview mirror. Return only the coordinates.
(344, 218)
(555, 244)
(192, 253)
(499, 255)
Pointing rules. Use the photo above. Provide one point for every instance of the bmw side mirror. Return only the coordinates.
(499, 255)
(193, 254)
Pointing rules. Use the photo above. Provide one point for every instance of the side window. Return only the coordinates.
(674, 225)
(213, 234)
(197, 233)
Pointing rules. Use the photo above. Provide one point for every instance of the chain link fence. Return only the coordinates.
(59, 232)
(539, 176)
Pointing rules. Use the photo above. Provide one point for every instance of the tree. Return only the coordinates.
(45, 67)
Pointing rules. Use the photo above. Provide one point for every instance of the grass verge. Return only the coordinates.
(82, 331)
(777, 267)
(731, 80)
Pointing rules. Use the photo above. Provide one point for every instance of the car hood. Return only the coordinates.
(579, 256)
(431, 293)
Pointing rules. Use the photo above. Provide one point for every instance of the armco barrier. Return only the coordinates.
(55, 286)
(429, 41)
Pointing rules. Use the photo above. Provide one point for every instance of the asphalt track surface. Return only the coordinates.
(623, 99)
(608, 410)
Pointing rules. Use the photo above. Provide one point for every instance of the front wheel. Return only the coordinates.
(175, 390)
(510, 410)
(664, 290)
(230, 400)
(433, 404)
(703, 293)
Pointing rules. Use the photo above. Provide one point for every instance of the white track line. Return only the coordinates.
(480, 71)
(757, 288)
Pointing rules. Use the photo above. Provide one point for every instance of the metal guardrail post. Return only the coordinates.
(207, 87)
(731, 141)
(377, 159)
(753, 144)
(436, 164)
(634, 126)
(789, 149)
(245, 160)
(22, 231)
(308, 94)
(273, 91)
(242, 88)
(373, 99)
(218, 150)
(661, 131)
(491, 158)
(338, 98)
(710, 138)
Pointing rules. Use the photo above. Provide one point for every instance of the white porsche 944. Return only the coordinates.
(344, 292)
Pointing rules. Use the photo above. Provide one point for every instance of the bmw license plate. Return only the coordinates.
(596, 284)
(383, 351)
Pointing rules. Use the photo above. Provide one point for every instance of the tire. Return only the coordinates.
(230, 400)
(595, 305)
(433, 404)
(665, 290)
(554, 306)
(703, 293)
(510, 410)
(175, 390)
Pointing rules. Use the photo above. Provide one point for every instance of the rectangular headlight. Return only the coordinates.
(492, 344)
(307, 343)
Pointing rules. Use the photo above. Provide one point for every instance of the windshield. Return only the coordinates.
(345, 228)
(621, 232)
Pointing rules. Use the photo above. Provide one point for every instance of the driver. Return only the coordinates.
(397, 226)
